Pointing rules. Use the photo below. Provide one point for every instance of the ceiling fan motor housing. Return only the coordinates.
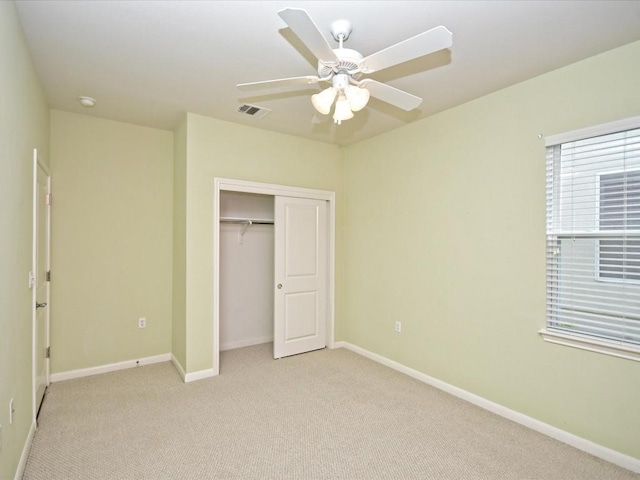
(347, 60)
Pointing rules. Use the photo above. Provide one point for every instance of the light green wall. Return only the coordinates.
(24, 125)
(112, 241)
(222, 149)
(446, 233)
(440, 224)
(179, 319)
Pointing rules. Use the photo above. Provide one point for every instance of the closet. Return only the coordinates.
(246, 269)
(273, 267)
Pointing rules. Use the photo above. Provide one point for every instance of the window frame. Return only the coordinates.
(579, 340)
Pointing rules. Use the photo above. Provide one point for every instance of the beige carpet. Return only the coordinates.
(325, 414)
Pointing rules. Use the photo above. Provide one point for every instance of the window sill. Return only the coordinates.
(586, 343)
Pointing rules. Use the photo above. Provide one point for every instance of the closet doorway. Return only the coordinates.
(246, 269)
(273, 267)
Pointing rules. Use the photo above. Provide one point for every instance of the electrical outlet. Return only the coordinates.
(398, 327)
(142, 322)
(11, 411)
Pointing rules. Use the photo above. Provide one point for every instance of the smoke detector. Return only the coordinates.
(87, 101)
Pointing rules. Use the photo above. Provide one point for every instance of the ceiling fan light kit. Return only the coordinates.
(351, 97)
(344, 67)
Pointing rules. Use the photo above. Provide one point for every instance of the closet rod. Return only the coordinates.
(247, 221)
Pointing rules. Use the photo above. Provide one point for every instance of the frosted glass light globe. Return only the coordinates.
(358, 97)
(322, 101)
(342, 110)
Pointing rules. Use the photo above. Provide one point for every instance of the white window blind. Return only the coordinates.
(593, 237)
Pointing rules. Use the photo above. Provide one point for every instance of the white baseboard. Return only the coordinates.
(612, 456)
(112, 367)
(25, 452)
(193, 376)
(245, 343)
(200, 375)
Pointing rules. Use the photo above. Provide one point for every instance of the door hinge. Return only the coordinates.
(48, 352)
(48, 199)
(48, 276)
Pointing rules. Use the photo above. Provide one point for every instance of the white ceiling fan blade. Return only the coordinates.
(279, 82)
(305, 28)
(422, 44)
(391, 95)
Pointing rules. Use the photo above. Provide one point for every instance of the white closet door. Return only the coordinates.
(300, 303)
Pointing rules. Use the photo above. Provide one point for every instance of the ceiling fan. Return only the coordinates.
(344, 68)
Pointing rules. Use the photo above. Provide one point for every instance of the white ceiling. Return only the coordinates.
(148, 62)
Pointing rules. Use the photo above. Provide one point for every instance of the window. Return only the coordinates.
(593, 238)
(619, 209)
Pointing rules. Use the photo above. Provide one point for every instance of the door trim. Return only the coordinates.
(34, 332)
(243, 186)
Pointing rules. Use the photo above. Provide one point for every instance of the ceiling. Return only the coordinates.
(148, 62)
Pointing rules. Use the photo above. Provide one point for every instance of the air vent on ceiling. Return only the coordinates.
(253, 110)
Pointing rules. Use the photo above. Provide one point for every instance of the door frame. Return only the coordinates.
(33, 279)
(244, 186)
